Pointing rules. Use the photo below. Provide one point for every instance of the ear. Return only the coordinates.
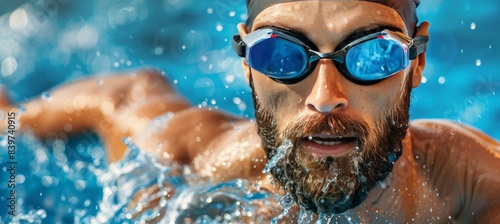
(242, 30)
(419, 63)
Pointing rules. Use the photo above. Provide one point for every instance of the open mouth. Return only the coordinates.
(329, 145)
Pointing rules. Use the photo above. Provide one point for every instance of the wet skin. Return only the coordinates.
(447, 172)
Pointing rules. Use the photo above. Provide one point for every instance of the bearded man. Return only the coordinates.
(331, 82)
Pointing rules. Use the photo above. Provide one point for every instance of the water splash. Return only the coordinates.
(173, 193)
(305, 216)
(33, 216)
(324, 218)
(286, 203)
(280, 153)
(329, 181)
(47, 180)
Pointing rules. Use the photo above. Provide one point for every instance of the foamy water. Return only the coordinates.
(178, 195)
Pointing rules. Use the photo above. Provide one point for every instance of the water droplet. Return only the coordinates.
(230, 78)
(9, 66)
(473, 26)
(242, 106)
(218, 27)
(80, 185)
(100, 82)
(22, 109)
(478, 62)
(46, 96)
(424, 79)
(158, 51)
(441, 80)
(210, 10)
(236, 100)
(46, 181)
(18, 19)
(232, 13)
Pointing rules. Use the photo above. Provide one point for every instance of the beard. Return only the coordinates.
(333, 185)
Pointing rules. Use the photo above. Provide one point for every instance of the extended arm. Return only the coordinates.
(113, 106)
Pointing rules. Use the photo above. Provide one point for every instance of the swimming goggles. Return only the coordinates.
(289, 58)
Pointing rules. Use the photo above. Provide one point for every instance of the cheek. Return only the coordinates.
(279, 100)
(375, 101)
(273, 94)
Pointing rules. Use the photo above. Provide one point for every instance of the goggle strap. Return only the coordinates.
(239, 46)
(419, 46)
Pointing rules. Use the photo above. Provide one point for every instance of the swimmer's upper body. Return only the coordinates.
(341, 119)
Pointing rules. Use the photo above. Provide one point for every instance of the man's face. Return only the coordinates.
(345, 136)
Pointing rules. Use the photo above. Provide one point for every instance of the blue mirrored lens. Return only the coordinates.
(278, 58)
(375, 59)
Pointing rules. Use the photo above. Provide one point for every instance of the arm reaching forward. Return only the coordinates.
(114, 106)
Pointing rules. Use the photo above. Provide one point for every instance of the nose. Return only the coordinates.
(327, 94)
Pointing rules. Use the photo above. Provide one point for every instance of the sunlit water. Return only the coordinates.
(67, 179)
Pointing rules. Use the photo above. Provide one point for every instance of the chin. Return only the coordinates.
(333, 185)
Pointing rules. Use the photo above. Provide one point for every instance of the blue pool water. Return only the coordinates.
(44, 43)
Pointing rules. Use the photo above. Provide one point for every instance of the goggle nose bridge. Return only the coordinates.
(338, 56)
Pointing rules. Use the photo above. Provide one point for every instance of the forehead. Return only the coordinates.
(328, 16)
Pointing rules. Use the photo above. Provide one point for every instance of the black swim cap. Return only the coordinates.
(405, 8)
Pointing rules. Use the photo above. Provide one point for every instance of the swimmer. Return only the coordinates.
(331, 83)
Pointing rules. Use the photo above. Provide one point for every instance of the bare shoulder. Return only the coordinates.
(198, 133)
(216, 144)
(179, 134)
(461, 163)
(442, 129)
(441, 141)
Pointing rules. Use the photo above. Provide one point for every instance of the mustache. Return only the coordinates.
(334, 124)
